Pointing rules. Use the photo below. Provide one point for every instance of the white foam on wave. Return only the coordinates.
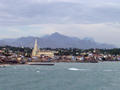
(76, 69)
(37, 71)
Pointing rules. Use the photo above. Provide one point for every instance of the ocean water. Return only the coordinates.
(62, 76)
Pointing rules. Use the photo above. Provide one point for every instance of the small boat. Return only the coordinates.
(44, 64)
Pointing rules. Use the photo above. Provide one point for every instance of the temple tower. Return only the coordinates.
(37, 53)
(35, 50)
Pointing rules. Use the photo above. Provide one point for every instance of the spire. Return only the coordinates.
(35, 50)
(36, 46)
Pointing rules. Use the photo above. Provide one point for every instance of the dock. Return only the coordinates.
(39, 63)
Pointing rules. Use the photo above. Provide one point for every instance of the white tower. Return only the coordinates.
(35, 50)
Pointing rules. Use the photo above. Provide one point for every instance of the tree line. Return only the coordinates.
(61, 51)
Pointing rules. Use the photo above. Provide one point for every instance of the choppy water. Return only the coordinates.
(62, 76)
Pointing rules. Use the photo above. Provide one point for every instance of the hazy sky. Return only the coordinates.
(99, 19)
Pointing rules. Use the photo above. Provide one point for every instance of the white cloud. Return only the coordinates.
(58, 11)
(81, 18)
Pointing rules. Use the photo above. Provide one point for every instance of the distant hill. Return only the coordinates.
(55, 40)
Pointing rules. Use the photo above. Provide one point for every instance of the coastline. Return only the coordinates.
(28, 63)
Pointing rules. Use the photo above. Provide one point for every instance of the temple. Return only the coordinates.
(38, 53)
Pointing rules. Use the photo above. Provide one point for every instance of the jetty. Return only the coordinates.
(39, 63)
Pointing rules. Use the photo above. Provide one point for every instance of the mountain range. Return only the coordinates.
(55, 40)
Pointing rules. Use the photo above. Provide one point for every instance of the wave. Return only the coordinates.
(37, 71)
(76, 69)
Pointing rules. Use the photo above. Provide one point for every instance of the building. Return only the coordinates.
(38, 53)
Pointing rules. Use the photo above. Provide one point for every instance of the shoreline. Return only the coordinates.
(2, 65)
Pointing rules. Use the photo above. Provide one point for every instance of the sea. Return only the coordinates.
(61, 76)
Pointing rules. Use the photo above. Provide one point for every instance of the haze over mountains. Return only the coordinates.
(55, 40)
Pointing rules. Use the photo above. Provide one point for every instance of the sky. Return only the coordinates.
(98, 19)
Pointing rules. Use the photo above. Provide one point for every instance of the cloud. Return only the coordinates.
(26, 12)
(81, 18)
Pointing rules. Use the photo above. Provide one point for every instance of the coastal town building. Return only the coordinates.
(38, 53)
